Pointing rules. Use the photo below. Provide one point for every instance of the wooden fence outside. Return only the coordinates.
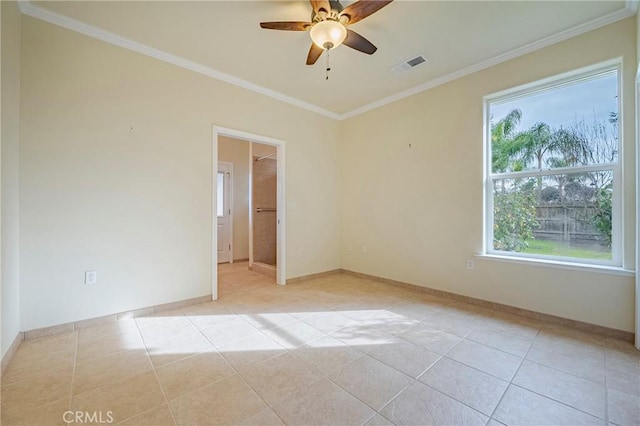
(567, 224)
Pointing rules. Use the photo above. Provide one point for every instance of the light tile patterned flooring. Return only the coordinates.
(338, 350)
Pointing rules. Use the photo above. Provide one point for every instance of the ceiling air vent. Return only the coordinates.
(407, 65)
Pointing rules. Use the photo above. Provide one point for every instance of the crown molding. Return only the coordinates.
(27, 8)
(520, 51)
(630, 9)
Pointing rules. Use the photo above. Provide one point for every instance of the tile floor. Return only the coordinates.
(338, 350)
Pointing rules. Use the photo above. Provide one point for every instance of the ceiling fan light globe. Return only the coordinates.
(328, 34)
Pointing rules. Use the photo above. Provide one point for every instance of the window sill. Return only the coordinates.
(600, 269)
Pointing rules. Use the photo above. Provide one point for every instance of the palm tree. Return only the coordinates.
(502, 134)
(534, 144)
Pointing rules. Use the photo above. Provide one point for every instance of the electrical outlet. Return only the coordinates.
(365, 249)
(470, 264)
(300, 251)
(90, 277)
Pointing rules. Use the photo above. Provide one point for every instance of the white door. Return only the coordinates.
(224, 212)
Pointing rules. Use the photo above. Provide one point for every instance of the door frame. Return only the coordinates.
(231, 209)
(280, 204)
(637, 263)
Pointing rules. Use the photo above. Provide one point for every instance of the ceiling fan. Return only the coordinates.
(328, 26)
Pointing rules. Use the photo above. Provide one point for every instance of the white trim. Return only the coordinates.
(617, 211)
(231, 212)
(618, 202)
(250, 230)
(637, 135)
(214, 216)
(24, 5)
(487, 193)
(282, 210)
(586, 267)
(553, 172)
(231, 209)
(89, 30)
(281, 277)
(552, 258)
(71, 24)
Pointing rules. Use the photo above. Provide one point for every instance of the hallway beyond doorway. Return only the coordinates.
(236, 277)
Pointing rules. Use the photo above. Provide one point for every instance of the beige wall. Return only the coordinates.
(419, 210)
(115, 175)
(236, 151)
(10, 293)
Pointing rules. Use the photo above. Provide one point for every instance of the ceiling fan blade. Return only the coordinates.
(361, 9)
(320, 4)
(357, 42)
(286, 26)
(314, 54)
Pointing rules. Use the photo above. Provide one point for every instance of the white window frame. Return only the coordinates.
(617, 234)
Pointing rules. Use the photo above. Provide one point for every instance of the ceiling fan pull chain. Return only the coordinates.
(328, 67)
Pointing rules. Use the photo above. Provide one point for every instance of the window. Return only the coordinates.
(552, 174)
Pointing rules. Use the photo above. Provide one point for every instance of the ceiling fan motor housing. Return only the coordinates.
(333, 14)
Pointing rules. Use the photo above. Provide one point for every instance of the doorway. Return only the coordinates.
(277, 212)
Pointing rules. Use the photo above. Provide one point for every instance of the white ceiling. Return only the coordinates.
(224, 36)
